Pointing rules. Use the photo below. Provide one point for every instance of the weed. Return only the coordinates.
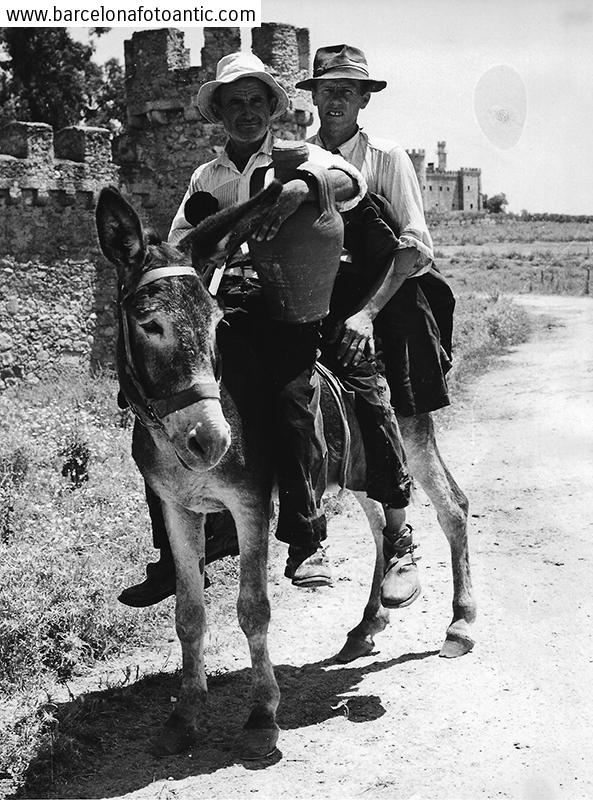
(76, 454)
(13, 469)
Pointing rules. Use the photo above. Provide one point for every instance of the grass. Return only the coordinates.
(485, 327)
(74, 528)
(67, 546)
(540, 271)
(484, 229)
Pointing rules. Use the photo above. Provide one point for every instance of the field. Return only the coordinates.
(73, 523)
(510, 255)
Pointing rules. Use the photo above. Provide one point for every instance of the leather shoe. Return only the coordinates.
(159, 584)
(307, 569)
(401, 584)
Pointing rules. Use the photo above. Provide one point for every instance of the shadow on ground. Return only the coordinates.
(101, 745)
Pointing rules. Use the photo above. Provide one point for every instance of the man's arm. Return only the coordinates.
(397, 183)
(357, 331)
(299, 191)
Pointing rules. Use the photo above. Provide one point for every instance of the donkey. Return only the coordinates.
(200, 455)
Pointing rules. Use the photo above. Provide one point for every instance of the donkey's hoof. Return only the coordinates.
(456, 645)
(355, 648)
(176, 736)
(256, 743)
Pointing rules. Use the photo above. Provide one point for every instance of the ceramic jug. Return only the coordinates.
(297, 268)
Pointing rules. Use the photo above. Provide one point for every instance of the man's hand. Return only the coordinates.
(356, 340)
(294, 193)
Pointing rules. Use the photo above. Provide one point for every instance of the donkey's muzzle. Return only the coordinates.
(199, 433)
(209, 440)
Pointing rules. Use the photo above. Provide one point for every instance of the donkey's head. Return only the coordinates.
(167, 356)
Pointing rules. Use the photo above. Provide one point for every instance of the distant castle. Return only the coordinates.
(447, 190)
(51, 316)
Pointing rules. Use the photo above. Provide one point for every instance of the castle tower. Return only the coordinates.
(442, 156)
(418, 159)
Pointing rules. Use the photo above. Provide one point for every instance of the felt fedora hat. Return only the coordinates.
(232, 68)
(341, 61)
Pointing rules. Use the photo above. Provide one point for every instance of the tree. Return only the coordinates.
(494, 204)
(106, 106)
(49, 77)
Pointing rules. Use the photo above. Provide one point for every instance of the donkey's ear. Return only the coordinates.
(120, 234)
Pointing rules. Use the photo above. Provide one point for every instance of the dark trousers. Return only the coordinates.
(298, 453)
(388, 480)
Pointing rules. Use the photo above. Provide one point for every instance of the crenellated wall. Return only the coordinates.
(48, 186)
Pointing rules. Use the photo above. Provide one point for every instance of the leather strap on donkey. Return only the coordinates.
(337, 392)
(150, 411)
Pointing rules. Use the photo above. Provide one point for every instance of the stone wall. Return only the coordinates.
(54, 315)
(48, 187)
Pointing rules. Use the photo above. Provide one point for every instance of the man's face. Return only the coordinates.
(338, 103)
(244, 108)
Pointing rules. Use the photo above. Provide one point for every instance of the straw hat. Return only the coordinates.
(341, 61)
(232, 68)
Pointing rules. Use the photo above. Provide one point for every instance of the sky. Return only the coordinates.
(508, 84)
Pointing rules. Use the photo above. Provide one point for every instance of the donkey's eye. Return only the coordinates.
(151, 327)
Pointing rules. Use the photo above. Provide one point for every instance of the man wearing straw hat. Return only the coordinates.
(246, 99)
(413, 318)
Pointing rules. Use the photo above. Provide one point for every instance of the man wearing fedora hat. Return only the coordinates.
(245, 98)
(409, 308)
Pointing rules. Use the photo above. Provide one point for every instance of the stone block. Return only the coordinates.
(31, 140)
(81, 144)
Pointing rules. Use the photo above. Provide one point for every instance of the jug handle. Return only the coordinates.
(325, 191)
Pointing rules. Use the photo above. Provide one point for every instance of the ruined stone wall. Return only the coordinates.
(54, 315)
(48, 187)
(56, 293)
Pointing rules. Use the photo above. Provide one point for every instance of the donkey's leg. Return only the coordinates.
(260, 732)
(451, 505)
(186, 535)
(360, 640)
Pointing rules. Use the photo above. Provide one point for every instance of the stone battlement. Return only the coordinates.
(34, 159)
(435, 172)
(160, 79)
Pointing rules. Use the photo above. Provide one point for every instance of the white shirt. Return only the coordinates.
(221, 178)
(389, 172)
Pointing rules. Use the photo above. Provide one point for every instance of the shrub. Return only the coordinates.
(484, 327)
(76, 454)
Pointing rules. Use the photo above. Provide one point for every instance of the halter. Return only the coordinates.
(150, 411)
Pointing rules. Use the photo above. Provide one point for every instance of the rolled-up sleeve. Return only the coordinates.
(323, 158)
(399, 186)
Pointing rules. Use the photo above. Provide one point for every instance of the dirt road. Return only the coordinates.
(510, 720)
